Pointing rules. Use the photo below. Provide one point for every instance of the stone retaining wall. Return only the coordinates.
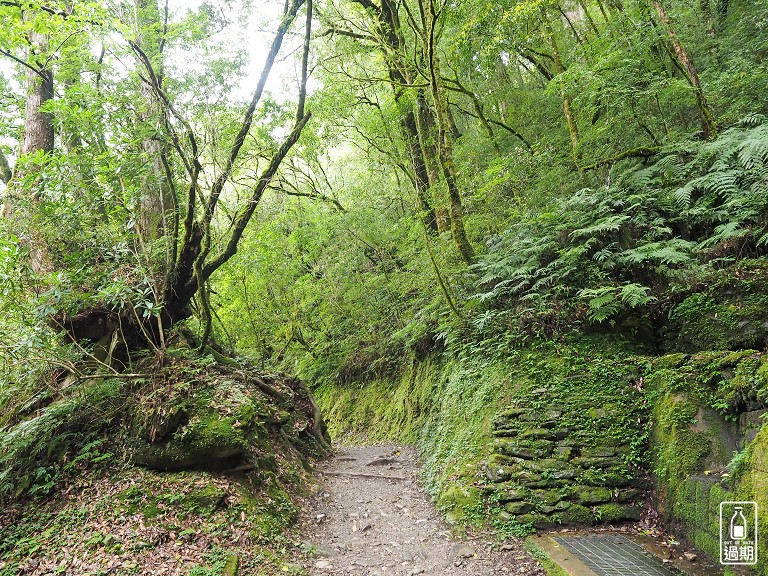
(556, 467)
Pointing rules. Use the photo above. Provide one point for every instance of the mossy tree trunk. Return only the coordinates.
(706, 115)
(429, 15)
(392, 45)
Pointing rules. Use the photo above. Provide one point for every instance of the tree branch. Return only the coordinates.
(244, 216)
(24, 63)
(349, 34)
(234, 152)
(642, 152)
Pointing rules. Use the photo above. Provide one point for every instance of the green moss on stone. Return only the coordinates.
(588, 495)
(577, 515)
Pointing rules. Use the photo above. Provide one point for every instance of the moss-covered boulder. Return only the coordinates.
(589, 495)
(222, 416)
(577, 515)
(730, 313)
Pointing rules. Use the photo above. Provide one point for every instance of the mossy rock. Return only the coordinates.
(232, 567)
(589, 495)
(608, 513)
(607, 478)
(602, 462)
(509, 493)
(561, 474)
(563, 452)
(459, 501)
(754, 486)
(206, 499)
(548, 466)
(528, 450)
(539, 434)
(559, 507)
(201, 443)
(518, 508)
(628, 494)
(601, 451)
(548, 497)
(225, 418)
(729, 315)
(577, 515)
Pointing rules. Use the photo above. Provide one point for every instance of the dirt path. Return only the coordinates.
(372, 518)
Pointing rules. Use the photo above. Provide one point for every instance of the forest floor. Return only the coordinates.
(371, 517)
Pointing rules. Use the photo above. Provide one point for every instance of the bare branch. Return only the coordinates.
(642, 152)
(223, 178)
(244, 216)
(24, 63)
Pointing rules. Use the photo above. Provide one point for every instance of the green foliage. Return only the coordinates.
(619, 248)
(623, 222)
(32, 450)
(446, 405)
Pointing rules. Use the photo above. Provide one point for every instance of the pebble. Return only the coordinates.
(323, 551)
(462, 551)
(323, 565)
(690, 556)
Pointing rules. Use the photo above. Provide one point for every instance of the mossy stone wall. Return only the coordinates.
(562, 466)
(471, 416)
(709, 443)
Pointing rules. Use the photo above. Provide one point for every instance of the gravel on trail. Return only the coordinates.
(371, 517)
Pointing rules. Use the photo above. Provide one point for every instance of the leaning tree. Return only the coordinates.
(130, 191)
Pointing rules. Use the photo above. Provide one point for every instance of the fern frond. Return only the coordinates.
(635, 295)
(601, 301)
(668, 252)
(752, 120)
(722, 233)
(609, 224)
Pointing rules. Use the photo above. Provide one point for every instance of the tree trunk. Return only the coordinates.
(708, 127)
(5, 169)
(401, 76)
(38, 125)
(425, 128)
(157, 204)
(445, 135)
(706, 14)
(570, 118)
(38, 139)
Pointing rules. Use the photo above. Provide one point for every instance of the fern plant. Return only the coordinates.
(612, 247)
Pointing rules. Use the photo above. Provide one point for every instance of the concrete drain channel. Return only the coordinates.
(614, 555)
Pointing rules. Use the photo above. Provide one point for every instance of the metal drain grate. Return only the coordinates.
(611, 555)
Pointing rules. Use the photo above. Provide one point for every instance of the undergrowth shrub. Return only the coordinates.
(609, 251)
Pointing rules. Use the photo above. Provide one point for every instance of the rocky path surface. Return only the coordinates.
(372, 518)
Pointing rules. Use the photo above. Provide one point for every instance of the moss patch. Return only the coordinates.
(462, 412)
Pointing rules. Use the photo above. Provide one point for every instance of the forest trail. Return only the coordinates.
(371, 517)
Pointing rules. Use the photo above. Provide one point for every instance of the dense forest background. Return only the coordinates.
(379, 182)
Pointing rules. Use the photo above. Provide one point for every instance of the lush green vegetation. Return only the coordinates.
(444, 208)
